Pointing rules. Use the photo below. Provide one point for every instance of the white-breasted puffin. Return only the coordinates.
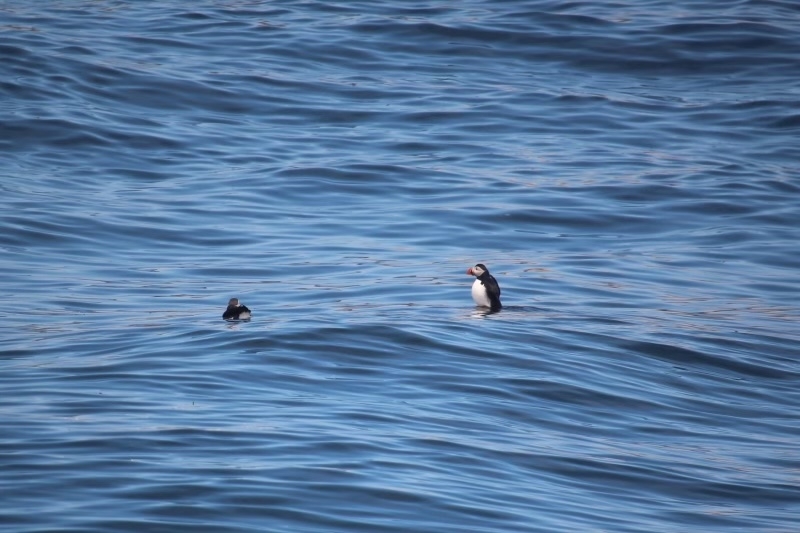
(236, 311)
(485, 290)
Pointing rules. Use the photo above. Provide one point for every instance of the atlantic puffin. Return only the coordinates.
(236, 311)
(485, 290)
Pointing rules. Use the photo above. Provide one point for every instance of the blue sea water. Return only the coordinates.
(628, 171)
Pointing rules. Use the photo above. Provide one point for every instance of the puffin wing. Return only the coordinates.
(238, 312)
(493, 291)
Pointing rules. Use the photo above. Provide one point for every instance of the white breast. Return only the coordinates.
(479, 294)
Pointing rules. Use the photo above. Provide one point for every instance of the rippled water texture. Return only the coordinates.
(627, 170)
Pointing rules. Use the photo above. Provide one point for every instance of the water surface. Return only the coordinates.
(628, 173)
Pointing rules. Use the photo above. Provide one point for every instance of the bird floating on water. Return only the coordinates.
(485, 290)
(236, 310)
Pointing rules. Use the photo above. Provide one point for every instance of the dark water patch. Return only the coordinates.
(20, 134)
(787, 122)
(689, 358)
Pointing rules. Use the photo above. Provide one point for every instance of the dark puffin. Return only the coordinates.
(236, 311)
(485, 290)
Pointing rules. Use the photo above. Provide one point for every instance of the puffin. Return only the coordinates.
(236, 311)
(485, 290)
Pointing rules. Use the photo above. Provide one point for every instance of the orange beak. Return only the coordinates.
(469, 272)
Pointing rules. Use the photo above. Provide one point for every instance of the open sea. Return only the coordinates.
(628, 171)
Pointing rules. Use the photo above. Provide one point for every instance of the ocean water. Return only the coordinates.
(628, 171)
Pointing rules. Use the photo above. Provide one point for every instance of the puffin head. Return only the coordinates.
(233, 302)
(477, 270)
